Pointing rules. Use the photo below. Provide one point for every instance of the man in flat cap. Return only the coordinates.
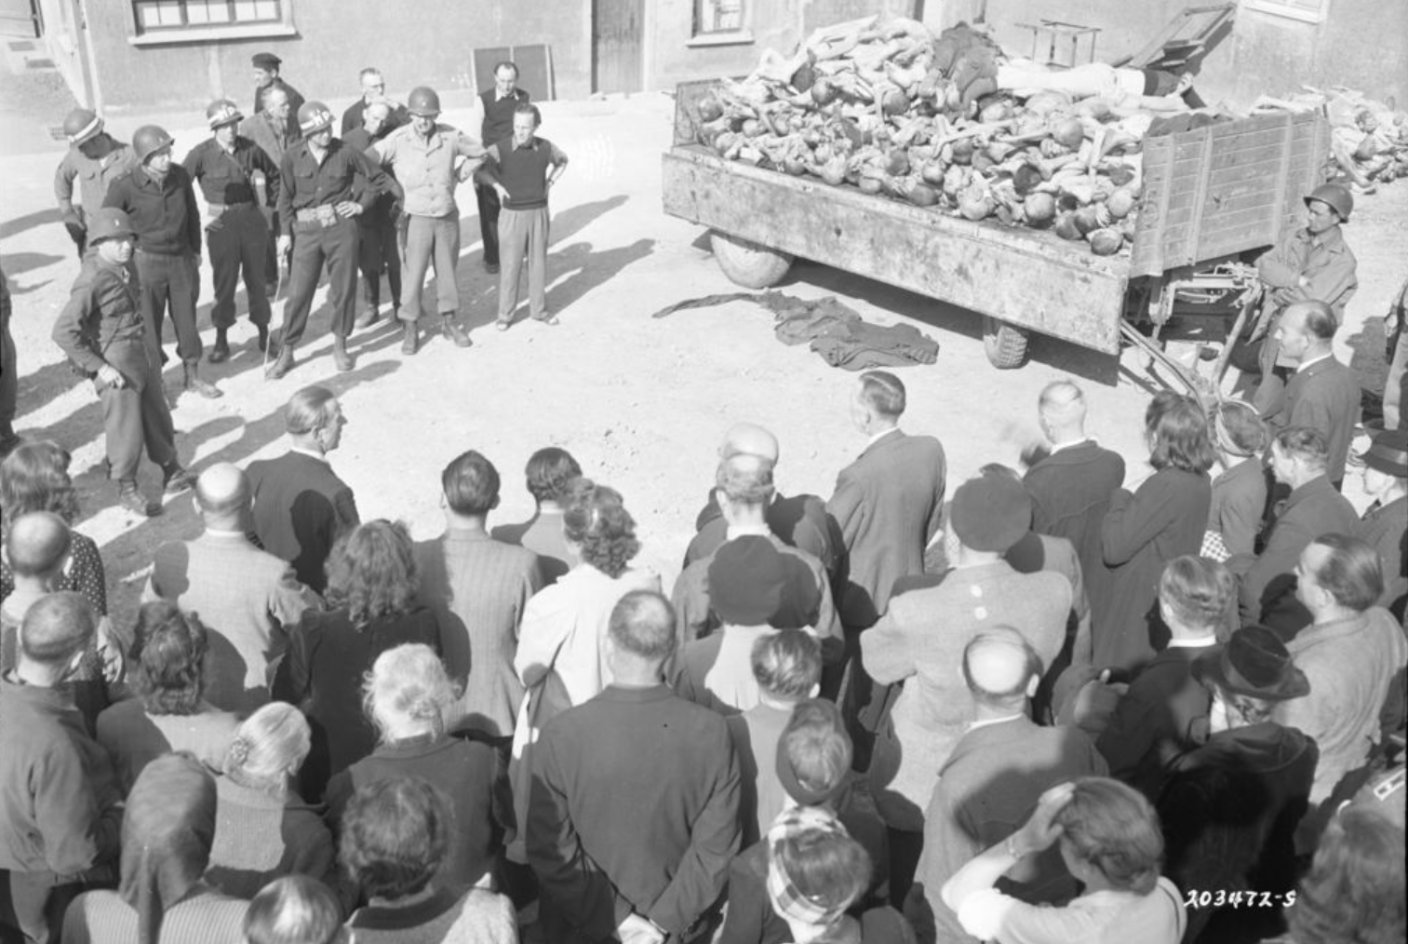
(94, 160)
(923, 633)
(266, 77)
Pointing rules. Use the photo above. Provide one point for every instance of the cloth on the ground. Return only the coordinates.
(836, 331)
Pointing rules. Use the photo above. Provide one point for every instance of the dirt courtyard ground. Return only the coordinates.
(642, 403)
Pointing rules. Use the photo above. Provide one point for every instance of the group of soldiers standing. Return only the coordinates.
(283, 194)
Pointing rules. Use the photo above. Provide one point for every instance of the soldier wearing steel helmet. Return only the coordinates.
(224, 165)
(102, 330)
(160, 201)
(94, 160)
(1312, 263)
(423, 156)
(324, 186)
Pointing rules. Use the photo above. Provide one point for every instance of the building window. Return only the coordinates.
(712, 17)
(1307, 11)
(156, 15)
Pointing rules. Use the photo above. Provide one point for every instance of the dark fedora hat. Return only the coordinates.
(1254, 662)
(1388, 453)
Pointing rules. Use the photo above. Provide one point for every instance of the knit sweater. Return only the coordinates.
(207, 917)
(259, 838)
(480, 917)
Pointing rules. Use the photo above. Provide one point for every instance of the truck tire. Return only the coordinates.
(1004, 344)
(748, 264)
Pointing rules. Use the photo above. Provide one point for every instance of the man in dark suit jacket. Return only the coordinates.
(888, 503)
(1165, 711)
(799, 520)
(635, 761)
(992, 780)
(1071, 485)
(301, 507)
(1299, 457)
(246, 597)
(1322, 394)
(1384, 526)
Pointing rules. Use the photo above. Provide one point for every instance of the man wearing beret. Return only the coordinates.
(1384, 526)
(744, 496)
(755, 590)
(921, 638)
(266, 77)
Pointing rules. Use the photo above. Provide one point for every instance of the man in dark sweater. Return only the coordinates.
(494, 110)
(301, 507)
(633, 816)
(522, 169)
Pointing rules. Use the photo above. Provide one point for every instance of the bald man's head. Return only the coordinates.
(222, 493)
(749, 439)
(1001, 668)
(1062, 406)
(38, 545)
(56, 628)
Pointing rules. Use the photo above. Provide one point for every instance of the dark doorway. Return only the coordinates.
(617, 28)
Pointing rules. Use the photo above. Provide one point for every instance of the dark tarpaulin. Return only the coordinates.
(834, 330)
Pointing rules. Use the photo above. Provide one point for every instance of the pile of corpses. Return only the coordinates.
(887, 107)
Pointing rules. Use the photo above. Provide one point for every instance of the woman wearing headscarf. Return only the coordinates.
(407, 695)
(372, 584)
(167, 831)
(265, 829)
(170, 712)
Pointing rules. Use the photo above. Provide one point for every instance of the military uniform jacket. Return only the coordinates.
(102, 322)
(93, 177)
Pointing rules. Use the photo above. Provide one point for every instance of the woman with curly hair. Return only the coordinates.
(394, 837)
(1354, 893)
(170, 712)
(1110, 842)
(265, 829)
(561, 656)
(408, 697)
(1163, 519)
(372, 584)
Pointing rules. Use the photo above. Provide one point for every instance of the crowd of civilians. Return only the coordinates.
(1048, 709)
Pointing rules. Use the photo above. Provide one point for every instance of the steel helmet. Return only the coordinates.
(222, 111)
(148, 140)
(109, 223)
(1338, 197)
(82, 125)
(423, 102)
(313, 117)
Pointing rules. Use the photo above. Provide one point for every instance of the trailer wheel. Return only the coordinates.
(748, 264)
(1004, 344)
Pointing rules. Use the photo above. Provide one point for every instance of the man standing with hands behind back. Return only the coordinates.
(522, 169)
(493, 113)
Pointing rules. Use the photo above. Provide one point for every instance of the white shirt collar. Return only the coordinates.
(321, 457)
(1070, 445)
(1314, 360)
(881, 435)
(1206, 642)
(740, 530)
(991, 721)
(222, 533)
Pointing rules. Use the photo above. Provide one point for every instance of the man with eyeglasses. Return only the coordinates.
(373, 89)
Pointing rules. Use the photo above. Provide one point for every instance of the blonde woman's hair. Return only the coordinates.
(408, 692)
(269, 746)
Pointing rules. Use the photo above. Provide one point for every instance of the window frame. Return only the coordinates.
(280, 25)
(741, 34)
(1287, 10)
